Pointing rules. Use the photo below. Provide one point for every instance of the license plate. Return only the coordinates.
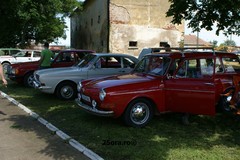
(86, 98)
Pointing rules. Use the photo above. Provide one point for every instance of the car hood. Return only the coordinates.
(123, 82)
(59, 71)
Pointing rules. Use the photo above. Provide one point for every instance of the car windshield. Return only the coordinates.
(87, 61)
(153, 64)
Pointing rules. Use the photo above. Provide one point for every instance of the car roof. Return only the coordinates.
(10, 49)
(76, 50)
(189, 54)
(23, 50)
(113, 54)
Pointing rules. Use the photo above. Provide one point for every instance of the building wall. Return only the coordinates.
(89, 28)
(126, 26)
(142, 22)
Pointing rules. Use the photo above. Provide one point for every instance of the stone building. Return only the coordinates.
(127, 26)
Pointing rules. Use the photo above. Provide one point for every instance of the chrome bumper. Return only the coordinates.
(36, 84)
(94, 110)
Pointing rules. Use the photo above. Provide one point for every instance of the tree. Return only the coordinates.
(40, 20)
(230, 43)
(214, 43)
(207, 13)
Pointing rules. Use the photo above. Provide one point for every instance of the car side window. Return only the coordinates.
(189, 69)
(218, 66)
(207, 67)
(110, 62)
(12, 52)
(36, 54)
(174, 66)
(231, 65)
(127, 62)
(20, 54)
(66, 57)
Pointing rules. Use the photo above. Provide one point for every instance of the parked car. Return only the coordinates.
(23, 72)
(188, 82)
(63, 81)
(6, 56)
(145, 51)
(237, 53)
(9, 51)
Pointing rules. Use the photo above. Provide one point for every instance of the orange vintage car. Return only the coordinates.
(189, 82)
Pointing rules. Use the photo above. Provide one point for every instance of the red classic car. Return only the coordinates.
(189, 82)
(23, 72)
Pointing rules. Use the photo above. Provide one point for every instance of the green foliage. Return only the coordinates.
(206, 13)
(229, 43)
(214, 43)
(38, 20)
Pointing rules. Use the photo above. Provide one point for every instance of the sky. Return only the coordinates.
(66, 41)
(211, 36)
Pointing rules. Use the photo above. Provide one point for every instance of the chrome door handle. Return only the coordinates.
(209, 84)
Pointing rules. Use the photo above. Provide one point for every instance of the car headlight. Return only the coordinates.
(229, 98)
(79, 86)
(102, 94)
(12, 71)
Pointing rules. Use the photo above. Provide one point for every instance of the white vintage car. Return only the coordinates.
(21, 56)
(63, 81)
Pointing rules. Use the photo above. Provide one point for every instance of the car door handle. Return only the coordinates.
(209, 84)
(122, 71)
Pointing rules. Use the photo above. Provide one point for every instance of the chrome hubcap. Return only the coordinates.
(67, 92)
(30, 81)
(140, 113)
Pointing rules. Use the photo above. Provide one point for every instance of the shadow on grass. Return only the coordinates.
(164, 138)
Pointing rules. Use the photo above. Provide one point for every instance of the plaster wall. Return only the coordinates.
(89, 27)
(141, 21)
(111, 26)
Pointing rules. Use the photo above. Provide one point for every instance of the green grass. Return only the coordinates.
(211, 138)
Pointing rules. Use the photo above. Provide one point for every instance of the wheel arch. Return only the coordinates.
(228, 89)
(223, 104)
(64, 81)
(151, 101)
(6, 62)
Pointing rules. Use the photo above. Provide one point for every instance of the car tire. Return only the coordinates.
(138, 113)
(6, 66)
(28, 80)
(66, 90)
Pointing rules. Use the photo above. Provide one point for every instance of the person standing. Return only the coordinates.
(2, 75)
(167, 48)
(46, 55)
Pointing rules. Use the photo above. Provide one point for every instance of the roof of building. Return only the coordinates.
(191, 40)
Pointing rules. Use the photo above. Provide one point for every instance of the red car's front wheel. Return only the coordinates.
(138, 113)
